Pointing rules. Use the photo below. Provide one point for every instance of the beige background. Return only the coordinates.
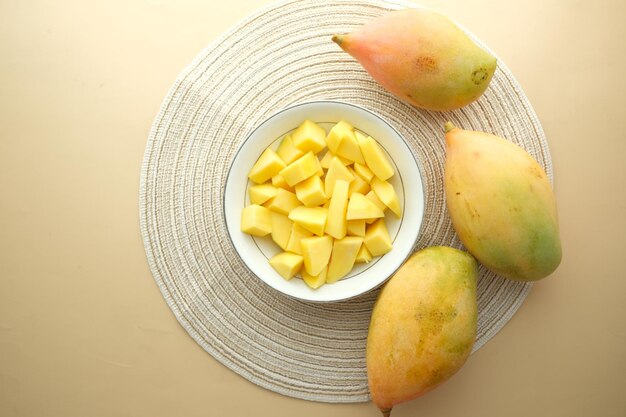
(84, 330)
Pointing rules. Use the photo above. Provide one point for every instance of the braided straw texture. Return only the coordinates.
(280, 56)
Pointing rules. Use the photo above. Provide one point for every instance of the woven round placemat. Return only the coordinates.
(277, 57)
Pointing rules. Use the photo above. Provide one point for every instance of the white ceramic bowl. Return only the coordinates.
(407, 181)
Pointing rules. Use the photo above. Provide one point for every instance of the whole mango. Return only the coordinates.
(501, 204)
(423, 326)
(421, 57)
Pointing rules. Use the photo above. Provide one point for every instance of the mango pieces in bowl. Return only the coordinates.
(322, 197)
(327, 192)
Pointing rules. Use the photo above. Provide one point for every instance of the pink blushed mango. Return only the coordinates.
(421, 57)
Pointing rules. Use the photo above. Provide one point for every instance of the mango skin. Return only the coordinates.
(421, 57)
(502, 205)
(423, 325)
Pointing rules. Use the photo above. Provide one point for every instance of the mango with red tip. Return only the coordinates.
(421, 57)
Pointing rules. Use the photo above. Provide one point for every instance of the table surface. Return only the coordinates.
(84, 331)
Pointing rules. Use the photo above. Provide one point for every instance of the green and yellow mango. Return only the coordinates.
(501, 204)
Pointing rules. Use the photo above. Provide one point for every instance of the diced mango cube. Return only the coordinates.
(356, 227)
(311, 192)
(337, 134)
(336, 221)
(361, 207)
(281, 229)
(349, 148)
(375, 157)
(279, 182)
(309, 137)
(268, 165)
(320, 170)
(256, 220)
(336, 171)
(364, 172)
(316, 251)
(358, 185)
(287, 151)
(343, 257)
(364, 255)
(328, 157)
(287, 264)
(312, 219)
(386, 193)
(260, 193)
(325, 161)
(284, 202)
(374, 199)
(297, 234)
(314, 281)
(301, 169)
(377, 238)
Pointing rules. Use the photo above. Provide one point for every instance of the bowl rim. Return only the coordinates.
(421, 203)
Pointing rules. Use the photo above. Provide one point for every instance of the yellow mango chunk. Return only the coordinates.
(337, 134)
(377, 238)
(325, 161)
(375, 157)
(374, 199)
(320, 170)
(385, 192)
(349, 148)
(364, 172)
(300, 169)
(287, 264)
(356, 227)
(312, 219)
(311, 192)
(284, 202)
(328, 157)
(297, 234)
(336, 221)
(364, 255)
(336, 171)
(279, 182)
(281, 229)
(343, 257)
(309, 137)
(287, 151)
(314, 281)
(361, 207)
(268, 165)
(316, 252)
(358, 185)
(256, 220)
(260, 193)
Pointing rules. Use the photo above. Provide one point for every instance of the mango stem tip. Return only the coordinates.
(338, 39)
(449, 126)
